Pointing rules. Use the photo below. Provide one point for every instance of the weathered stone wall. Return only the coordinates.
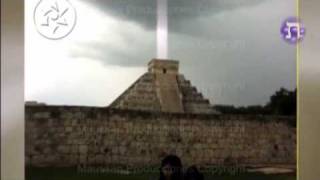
(67, 136)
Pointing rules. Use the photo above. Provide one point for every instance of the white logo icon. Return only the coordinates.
(54, 19)
(293, 26)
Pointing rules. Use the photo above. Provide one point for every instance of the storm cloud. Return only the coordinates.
(144, 12)
(231, 50)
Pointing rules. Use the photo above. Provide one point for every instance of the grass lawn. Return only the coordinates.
(72, 174)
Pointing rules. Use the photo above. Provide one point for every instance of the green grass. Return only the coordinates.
(253, 176)
(72, 174)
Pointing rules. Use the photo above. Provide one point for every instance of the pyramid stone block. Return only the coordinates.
(163, 89)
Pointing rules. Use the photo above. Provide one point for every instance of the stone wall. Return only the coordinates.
(68, 136)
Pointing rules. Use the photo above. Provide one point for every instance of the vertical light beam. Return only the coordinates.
(162, 29)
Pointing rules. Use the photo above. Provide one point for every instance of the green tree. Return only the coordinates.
(283, 102)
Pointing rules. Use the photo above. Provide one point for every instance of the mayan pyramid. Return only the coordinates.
(163, 89)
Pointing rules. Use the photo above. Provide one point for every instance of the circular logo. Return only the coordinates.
(54, 19)
(292, 30)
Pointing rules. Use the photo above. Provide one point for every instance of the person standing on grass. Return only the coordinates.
(171, 168)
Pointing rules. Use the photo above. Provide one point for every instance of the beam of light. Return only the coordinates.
(162, 29)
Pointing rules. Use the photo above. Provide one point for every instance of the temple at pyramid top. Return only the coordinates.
(163, 66)
(163, 89)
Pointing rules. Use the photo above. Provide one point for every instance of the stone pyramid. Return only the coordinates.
(163, 89)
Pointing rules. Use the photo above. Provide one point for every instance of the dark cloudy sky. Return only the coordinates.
(231, 50)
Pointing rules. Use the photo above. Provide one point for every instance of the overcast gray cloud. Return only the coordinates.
(238, 55)
(143, 12)
(231, 50)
